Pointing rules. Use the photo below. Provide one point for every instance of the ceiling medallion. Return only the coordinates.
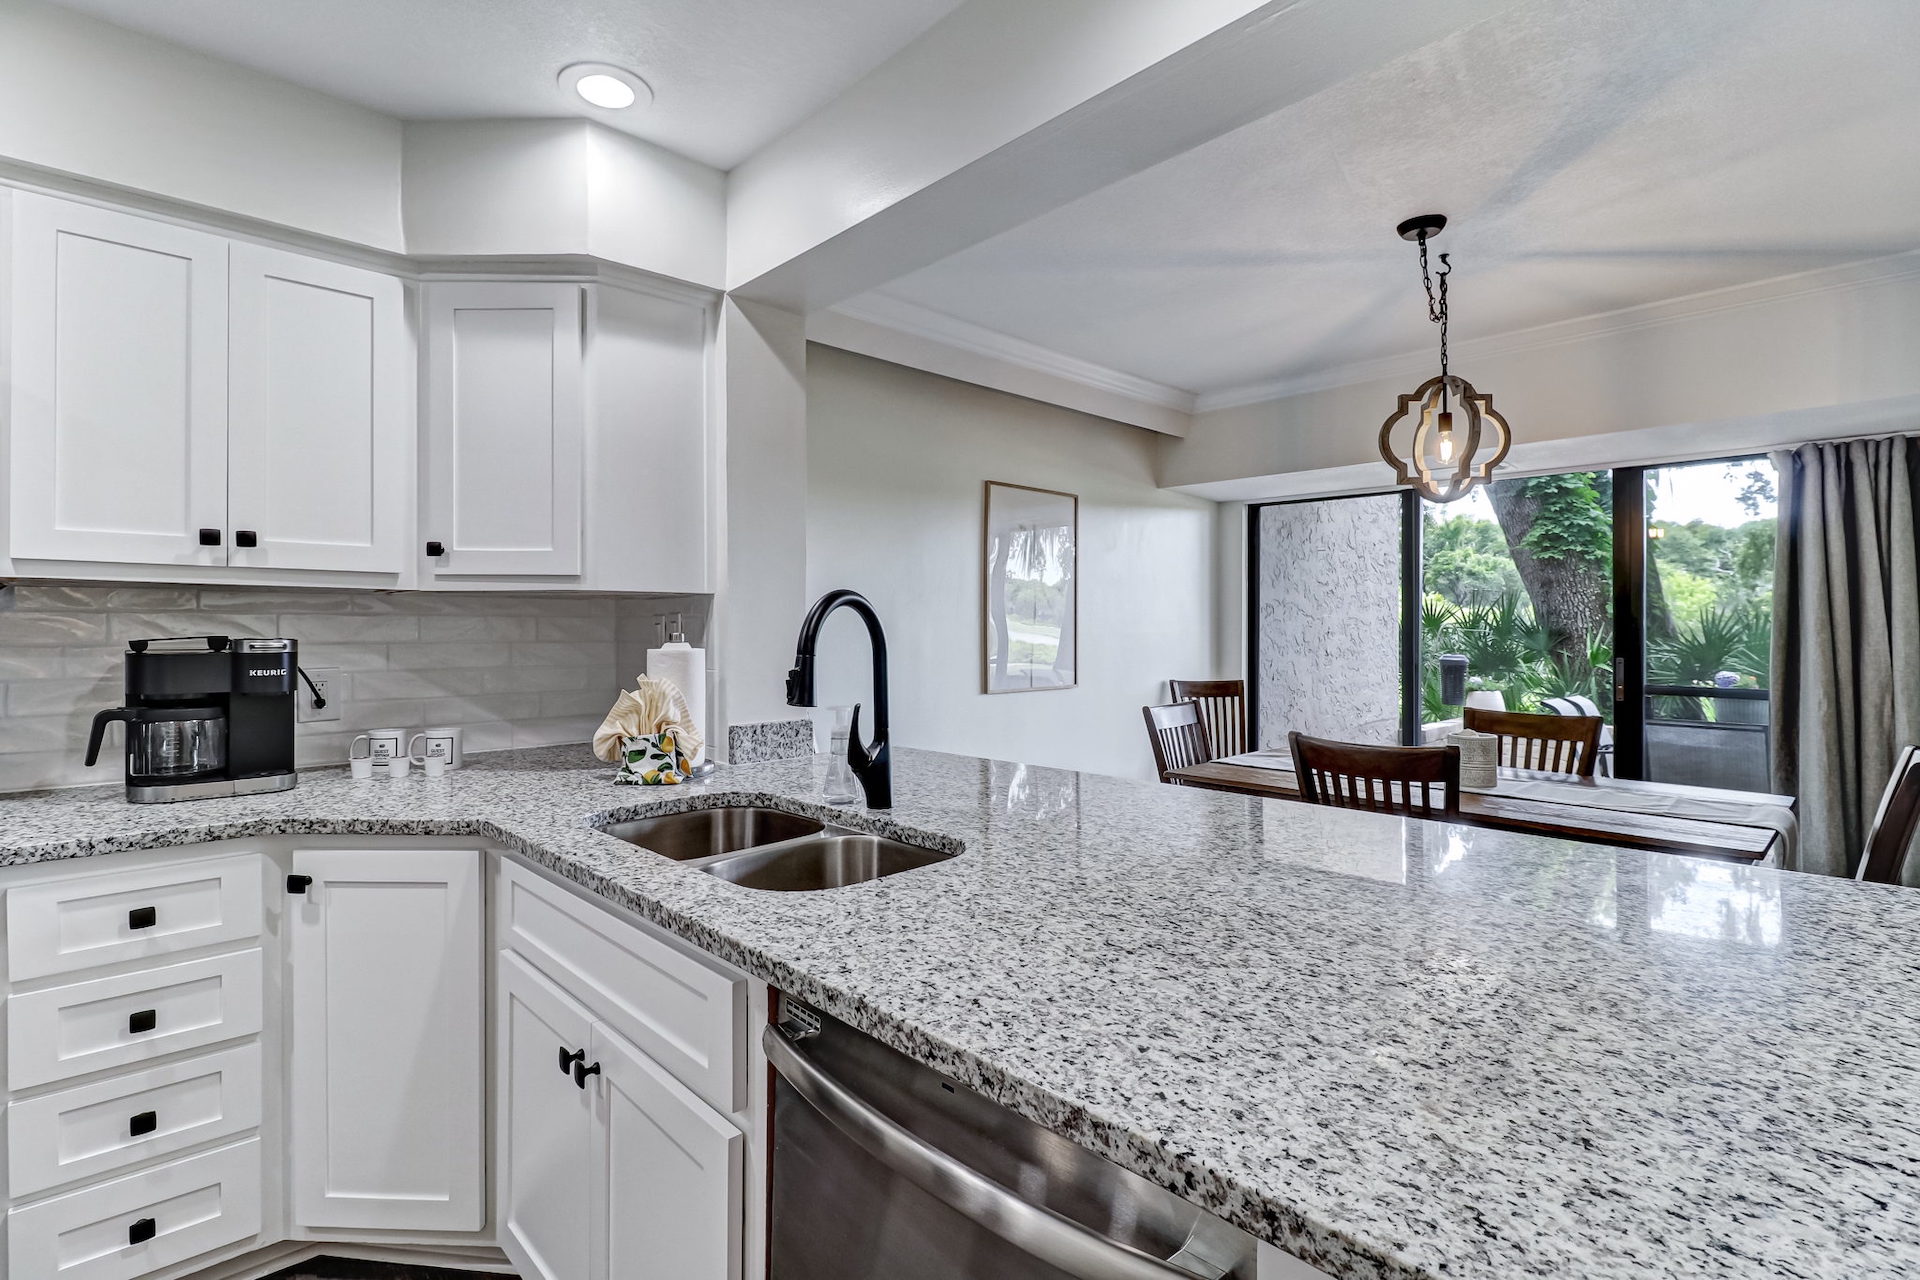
(1457, 439)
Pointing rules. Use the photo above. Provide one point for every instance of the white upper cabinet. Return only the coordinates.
(119, 388)
(387, 1097)
(505, 451)
(321, 445)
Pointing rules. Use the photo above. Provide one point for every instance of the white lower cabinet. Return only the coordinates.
(387, 1039)
(545, 1127)
(140, 1223)
(611, 1169)
(667, 1174)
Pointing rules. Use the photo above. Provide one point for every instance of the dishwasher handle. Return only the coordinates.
(1057, 1241)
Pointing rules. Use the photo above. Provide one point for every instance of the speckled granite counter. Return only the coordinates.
(1397, 1049)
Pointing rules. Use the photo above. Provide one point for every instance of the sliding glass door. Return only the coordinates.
(1641, 595)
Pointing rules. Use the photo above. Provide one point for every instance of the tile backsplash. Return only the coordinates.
(513, 669)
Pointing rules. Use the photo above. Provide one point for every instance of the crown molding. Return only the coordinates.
(1864, 274)
(933, 337)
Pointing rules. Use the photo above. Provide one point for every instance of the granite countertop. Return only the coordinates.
(1394, 1048)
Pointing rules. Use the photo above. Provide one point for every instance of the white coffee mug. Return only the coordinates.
(382, 744)
(432, 766)
(398, 766)
(443, 741)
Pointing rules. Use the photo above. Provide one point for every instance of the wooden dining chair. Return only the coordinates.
(1179, 737)
(1223, 705)
(1894, 824)
(1548, 744)
(1350, 775)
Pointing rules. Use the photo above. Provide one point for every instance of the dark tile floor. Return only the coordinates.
(353, 1269)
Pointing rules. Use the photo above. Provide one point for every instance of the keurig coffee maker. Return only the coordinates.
(205, 716)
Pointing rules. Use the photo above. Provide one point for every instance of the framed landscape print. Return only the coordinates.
(1031, 565)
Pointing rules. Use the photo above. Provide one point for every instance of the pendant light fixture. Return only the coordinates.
(1456, 438)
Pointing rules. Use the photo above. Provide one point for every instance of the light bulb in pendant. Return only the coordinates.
(1446, 437)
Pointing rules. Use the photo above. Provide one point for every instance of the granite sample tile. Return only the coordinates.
(1394, 1048)
(764, 740)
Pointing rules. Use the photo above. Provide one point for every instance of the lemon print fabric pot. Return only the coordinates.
(655, 760)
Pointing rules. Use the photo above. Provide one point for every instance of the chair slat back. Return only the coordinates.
(1549, 744)
(1223, 706)
(1423, 782)
(1895, 823)
(1179, 737)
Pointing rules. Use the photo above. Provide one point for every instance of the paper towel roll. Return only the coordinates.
(686, 666)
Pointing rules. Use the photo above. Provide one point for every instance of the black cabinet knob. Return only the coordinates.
(142, 1021)
(581, 1071)
(298, 884)
(144, 1123)
(568, 1061)
(245, 538)
(141, 1230)
(436, 549)
(143, 918)
(209, 537)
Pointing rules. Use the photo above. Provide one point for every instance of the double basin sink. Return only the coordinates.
(763, 848)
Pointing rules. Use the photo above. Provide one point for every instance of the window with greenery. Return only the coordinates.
(1523, 578)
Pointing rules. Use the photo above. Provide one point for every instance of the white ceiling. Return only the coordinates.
(1592, 156)
(728, 75)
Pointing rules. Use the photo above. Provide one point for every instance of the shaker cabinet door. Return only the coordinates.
(387, 1044)
(118, 352)
(541, 1131)
(668, 1174)
(505, 439)
(321, 448)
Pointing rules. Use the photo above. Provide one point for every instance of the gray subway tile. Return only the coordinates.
(377, 686)
(143, 625)
(586, 629)
(425, 656)
(52, 628)
(354, 628)
(564, 654)
(481, 627)
(64, 697)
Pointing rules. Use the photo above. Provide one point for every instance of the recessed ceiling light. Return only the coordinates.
(607, 87)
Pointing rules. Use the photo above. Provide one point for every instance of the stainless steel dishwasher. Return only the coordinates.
(886, 1170)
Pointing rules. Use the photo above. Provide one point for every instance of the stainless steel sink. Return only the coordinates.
(708, 833)
(828, 861)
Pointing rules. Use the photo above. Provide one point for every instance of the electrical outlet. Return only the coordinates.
(326, 680)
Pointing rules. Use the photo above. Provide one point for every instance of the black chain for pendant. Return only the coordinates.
(1437, 300)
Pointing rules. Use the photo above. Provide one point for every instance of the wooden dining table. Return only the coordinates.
(1747, 826)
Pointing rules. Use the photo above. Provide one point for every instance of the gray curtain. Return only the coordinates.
(1846, 636)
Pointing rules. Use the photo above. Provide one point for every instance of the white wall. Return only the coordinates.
(82, 97)
(505, 188)
(896, 462)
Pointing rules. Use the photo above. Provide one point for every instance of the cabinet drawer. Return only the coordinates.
(68, 1031)
(102, 1128)
(83, 921)
(682, 1012)
(142, 1222)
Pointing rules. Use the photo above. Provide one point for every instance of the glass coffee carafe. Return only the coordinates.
(171, 742)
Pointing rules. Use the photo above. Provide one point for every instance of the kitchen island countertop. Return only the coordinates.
(1394, 1048)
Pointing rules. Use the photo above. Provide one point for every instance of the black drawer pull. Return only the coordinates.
(143, 918)
(209, 537)
(436, 549)
(581, 1071)
(142, 1230)
(142, 1021)
(569, 1060)
(245, 538)
(144, 1123)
